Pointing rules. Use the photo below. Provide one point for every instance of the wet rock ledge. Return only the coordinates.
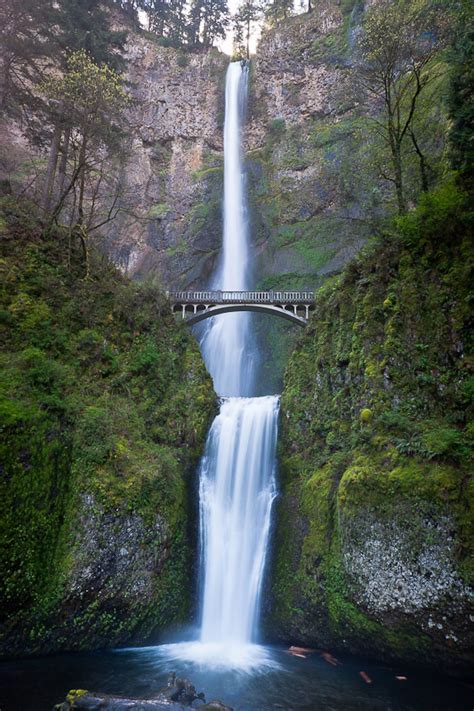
(176, 696)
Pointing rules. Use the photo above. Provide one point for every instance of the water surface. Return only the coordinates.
(277, 682)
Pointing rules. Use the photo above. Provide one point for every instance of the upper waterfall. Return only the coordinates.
(233, 273)
(227, 344)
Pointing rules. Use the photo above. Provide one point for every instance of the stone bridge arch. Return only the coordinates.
(196, 306)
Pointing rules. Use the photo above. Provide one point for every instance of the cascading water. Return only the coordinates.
(236, 493)
(227, 345)
(237, 472)
(236, 480)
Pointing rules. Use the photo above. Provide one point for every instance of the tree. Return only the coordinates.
(248, 13)
(398, 48)
(86, 25)
(26, 45)
(90, 100)
(209, 21)
(278, 10)
(36, 36)
(158, 16)
(461, 96)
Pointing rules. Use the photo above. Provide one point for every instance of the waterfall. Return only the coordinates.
(236, 476)
(236, 493)
(227, 345)
(236, 483)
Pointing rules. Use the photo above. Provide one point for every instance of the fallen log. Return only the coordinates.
(301, 650)
(330, 659)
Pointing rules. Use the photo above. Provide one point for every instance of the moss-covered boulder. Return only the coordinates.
(374, 540)
(105, 407)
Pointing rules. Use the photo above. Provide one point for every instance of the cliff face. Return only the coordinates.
(173, 172)
(304, 140)
(166, 184)
(373, 549)
(105, 407)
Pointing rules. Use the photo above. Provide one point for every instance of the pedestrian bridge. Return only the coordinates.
(195, 306)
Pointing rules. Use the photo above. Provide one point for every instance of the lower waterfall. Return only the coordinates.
(237, 487)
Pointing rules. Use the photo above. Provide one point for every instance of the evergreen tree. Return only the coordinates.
(177, 22)
(249, 12)
(278, 10)
(85, 26)
(158, 16)
(461, 97)
(209, 20)
(26, 50)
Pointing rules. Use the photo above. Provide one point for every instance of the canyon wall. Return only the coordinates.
(105, 408)
(373, 544)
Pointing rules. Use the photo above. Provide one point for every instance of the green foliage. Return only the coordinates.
(102, 394)
(86, 26)
(460, 98)
(277, 127)
(244, 23)
(90, 95)
(157, 211)
(400, 46)
(376, 413)
(278, 10)
(179, 24)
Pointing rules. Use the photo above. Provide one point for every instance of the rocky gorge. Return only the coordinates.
(107, 400)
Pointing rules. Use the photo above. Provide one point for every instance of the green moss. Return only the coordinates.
(75, 694)
(158, 210)
(101, 393)
(374, 424)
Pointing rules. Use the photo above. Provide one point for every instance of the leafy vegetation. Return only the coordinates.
(103, 396)
(377, 421)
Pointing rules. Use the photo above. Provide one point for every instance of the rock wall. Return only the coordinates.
(168, 180)
(173, 173)
(311, 191)
(302, 131)
(373, 549)
(304, 142)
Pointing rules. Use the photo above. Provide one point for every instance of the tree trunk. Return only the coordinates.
(396, 151)
(424, 167)
(51, 169)
(63, 161)
(82, 180)
(397, 164)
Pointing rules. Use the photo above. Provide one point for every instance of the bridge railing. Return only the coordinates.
(240, 297)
